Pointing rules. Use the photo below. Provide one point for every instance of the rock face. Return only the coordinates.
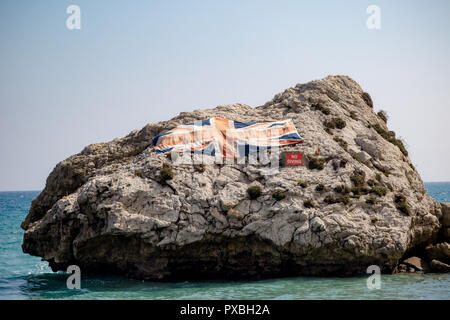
(446, 219)
(440, 251)
(108, 208)
(439, 266)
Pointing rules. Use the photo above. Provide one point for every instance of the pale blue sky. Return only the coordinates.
(135, 62)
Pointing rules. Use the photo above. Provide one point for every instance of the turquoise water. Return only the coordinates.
(26, 277)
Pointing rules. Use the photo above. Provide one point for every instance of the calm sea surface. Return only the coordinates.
(26, 277)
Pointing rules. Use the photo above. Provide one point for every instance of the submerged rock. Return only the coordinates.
(107, 209)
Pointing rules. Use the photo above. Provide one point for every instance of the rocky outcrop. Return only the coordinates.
(436, 256)
(438, 266)
(440, 251)
(446, 220)
(357, 202)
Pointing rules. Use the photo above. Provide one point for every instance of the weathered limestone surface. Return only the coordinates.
(107, 210)
(446, 219)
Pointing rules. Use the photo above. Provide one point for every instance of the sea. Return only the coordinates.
(25, 277)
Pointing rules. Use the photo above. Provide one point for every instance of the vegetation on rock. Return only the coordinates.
(320, 187)
(379, 191)
(278, 195)
(402, 206)
(335, 123)
(315, 162)
(382, 115)
(342, 189)
(367, 99)
(166, 172)
(254, 192)
(329, 199)
(391, 138)
(320, 107)
(341, 142)
(358, 178)
(381, 168)
(308, 203)
(302, 183)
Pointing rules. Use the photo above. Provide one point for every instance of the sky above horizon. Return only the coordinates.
(136, 62)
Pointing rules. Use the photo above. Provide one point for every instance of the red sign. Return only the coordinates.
(294, 159)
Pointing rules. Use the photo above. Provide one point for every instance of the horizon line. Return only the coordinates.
(43, 189)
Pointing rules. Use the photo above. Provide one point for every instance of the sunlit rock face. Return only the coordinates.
(357, 202)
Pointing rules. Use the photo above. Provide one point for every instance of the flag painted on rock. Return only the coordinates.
(226, 138)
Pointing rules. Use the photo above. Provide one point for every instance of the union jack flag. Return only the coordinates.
(226, 138)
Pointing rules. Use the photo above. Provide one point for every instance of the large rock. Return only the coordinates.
(440, 251)
(106, 209)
